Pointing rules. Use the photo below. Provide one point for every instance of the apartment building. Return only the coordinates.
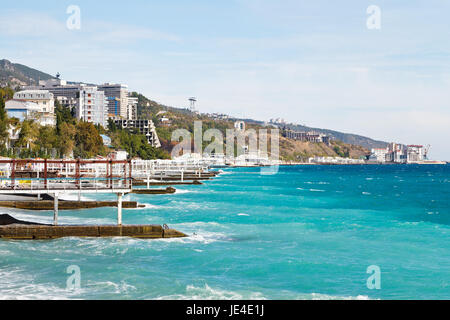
(116, 108)
(132, 108)
(378, 155)
(416, 153)
(92, 106)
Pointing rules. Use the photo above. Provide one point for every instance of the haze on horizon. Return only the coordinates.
(309, 62)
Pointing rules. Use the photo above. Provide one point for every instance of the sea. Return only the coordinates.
(299, 232)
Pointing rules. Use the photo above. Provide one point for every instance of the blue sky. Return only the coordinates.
(310, 62)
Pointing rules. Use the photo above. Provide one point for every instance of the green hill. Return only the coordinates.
(14, 74)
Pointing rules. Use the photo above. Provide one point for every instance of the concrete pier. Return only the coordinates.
(13, 229)
(27, 232)
(168, 190)
(166, 183)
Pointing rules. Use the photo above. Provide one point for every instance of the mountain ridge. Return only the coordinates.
(16, 74)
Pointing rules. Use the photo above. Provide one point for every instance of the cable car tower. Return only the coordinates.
(192, 102)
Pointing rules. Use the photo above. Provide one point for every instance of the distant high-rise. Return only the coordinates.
(118, 91)
(132, 108)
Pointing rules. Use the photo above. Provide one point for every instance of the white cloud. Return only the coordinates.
(28, 24)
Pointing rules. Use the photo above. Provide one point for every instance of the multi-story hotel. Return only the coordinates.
(92, 106)
(117, 96)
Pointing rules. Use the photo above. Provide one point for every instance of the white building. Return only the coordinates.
(132, 108)
(43, 98)
(378, 155)
(397, 153)
(416, 153)
(21, 110)
(37, 105)
(92, 106)
(118, 155)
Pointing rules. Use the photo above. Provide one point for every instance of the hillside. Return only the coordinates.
(289, 149)
(14, 74)
(349, 138)
(302, 151)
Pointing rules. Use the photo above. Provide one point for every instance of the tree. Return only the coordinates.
(112, 125)
(136, 145)
(66, 139)
(28, 134)
(88, 142)
(3, 122)
(63, 115)
(46, 142)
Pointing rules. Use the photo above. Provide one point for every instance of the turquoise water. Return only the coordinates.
(308, 232)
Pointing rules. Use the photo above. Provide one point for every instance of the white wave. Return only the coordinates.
(180, 191)
(199, 224)
(111, 287)
(319, 296)
(319, 182)
(72, 197)
(208, 293)
(243, 215)
(225, 173)
(316, 190)
(200, 237)
(366, 193)
(19, 285)
(146, 206)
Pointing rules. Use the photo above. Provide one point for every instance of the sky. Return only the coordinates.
(309, 62)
